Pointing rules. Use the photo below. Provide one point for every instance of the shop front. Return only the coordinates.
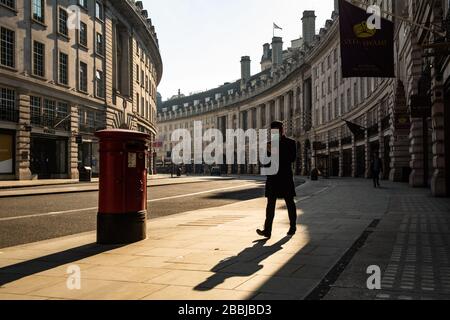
(49, 156)
(88, 154)
(7, 143)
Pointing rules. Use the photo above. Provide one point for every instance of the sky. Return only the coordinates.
(202, 41)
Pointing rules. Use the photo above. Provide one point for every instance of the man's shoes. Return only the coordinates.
(263, 234)
(292, 232)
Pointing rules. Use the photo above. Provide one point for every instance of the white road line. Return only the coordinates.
(149, 201)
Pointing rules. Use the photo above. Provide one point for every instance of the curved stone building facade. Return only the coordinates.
(303, 87)
(60, 81)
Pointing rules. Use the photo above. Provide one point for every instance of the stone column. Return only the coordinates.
(287, 113)
(259, 118)
(247, 145)
(72, 143)
(354, 157)
(230, 125)
(416, 150)
(268, 118)
(295, 112)
(368, 152)
(400, 140)
(277, 109)
(438, 182)
(23, 138)
(250, 119)
(381, 149)
(341, 154)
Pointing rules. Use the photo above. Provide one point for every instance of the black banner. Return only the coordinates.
(356, 129)
(365, 52)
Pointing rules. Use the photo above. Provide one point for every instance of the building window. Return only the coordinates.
(355, 94)
(142, 78)
(83, 3)
(7, 47)
(83, 77)
(137, 102)
(63, 68)
(100, 84)
(38, 10)
(48, 113)
(138, 72)
(349, 100)
(36, 109)
(361, 87)
(99, 14)
(8, 110)
(141, 112)
(8, 3)
(38, 59)
(63, 22)
(83, 34)
(335, 79)
(336, 108)
(62, 114)
(146, 83)
(329, 112)
(100, 47)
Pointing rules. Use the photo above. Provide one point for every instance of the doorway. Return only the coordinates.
(48, 157)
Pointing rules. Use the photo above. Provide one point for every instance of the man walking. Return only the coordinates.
(281, 185)
(376, 167)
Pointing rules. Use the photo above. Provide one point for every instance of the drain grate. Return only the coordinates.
(330, 279)
(214, 221)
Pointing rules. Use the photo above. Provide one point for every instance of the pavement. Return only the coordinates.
(345, 226)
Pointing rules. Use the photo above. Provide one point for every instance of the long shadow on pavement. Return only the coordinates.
(258, 250)
(28, 268)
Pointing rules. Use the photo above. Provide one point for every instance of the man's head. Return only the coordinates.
(278, 125)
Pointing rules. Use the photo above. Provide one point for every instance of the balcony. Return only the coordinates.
(90, 129)
(52, 123)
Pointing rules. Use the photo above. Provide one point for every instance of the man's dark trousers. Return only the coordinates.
(376, 178)
(270, 213)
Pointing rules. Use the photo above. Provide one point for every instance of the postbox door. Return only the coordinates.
(136, 181)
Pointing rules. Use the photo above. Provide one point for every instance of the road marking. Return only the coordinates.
(149, 201)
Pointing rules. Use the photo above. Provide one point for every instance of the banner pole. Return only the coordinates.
(442, 34)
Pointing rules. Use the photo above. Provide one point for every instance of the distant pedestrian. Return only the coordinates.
(376, 168)
(281, 185)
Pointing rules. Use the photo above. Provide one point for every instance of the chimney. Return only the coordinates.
(245, 69)
(309, 26)
(277, 51)
(266, 51)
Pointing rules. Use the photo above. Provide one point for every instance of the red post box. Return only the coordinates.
(122, 213)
